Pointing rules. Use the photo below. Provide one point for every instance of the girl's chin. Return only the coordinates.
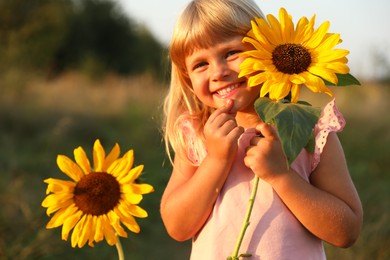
(224, 102)
(235, 106)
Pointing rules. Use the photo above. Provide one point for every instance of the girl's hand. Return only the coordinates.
(222, 132)
(264, 155)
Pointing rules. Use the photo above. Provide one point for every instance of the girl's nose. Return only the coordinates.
(220, 71)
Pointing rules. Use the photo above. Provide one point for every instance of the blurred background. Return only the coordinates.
(72, 71)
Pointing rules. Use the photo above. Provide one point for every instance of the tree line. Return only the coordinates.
(94, 36)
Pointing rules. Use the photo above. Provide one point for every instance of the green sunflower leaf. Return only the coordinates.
(344, 80)
(294, 123)
(347, 80)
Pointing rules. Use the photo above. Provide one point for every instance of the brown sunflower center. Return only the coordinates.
(291, 58)
(97, 193)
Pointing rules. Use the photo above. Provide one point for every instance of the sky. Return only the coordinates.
(362, 24)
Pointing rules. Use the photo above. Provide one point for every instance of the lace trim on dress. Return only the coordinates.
(331, 120)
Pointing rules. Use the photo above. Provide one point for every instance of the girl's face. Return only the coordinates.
(214, 75)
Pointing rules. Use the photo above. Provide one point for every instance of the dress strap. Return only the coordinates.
(196, 150)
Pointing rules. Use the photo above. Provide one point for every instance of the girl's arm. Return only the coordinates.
(191, 191)
(190, 196)
(329, 206)
(341, 201)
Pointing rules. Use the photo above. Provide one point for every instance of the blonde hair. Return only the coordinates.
(202, 24)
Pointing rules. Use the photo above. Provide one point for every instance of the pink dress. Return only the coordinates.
(274, 232)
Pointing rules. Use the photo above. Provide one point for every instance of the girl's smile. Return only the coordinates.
(228, 91)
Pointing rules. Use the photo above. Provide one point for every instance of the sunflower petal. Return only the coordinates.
(127, 220)
(339, 67)
(99, 235)
(77, 231)
(132, 175)
(98, 156)
(131, 224)
(324, 73)
(286, 24)
(69, 167)
(252, 41)
(318, 35)
(82, 160)
(257, 79)
(108, 231)
(248, 67)
(111, 157)
(122, 165)
(297, 79)
(329, 43)
(85, 232)
(295, 89)
(281, 87)
(137, 211)
(259, 54)
(316, 84)
(308, 31)
(275, 27)
(265, 88)
(331, 55)
(129, 195)
(59, 217)
(262, 36)
(300, 31)
(280, 90)
(93, 231)
(115, 222)
(142, 188)
(69, 223)
(59, 205)
(56, 186)
(55, 201)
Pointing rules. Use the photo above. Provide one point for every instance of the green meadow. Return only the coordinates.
(41, 118)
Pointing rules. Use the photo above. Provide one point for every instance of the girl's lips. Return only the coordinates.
(228, 91)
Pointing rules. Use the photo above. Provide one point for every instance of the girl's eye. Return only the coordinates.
(232, 54)
(199, 65)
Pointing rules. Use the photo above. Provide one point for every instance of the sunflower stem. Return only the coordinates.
(119, 248)
(246, 223)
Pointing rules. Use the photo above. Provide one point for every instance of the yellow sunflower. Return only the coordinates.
(285, 57)
(96, 201)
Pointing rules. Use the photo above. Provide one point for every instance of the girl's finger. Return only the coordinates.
(256, 139)
(224, 109)
(227, 107)
(267, 130)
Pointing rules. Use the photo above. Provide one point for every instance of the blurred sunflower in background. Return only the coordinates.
(285, 57)
(97, 200)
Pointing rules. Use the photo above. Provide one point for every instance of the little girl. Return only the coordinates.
(220, 145)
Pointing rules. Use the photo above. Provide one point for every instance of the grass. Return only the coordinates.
(40, 119)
